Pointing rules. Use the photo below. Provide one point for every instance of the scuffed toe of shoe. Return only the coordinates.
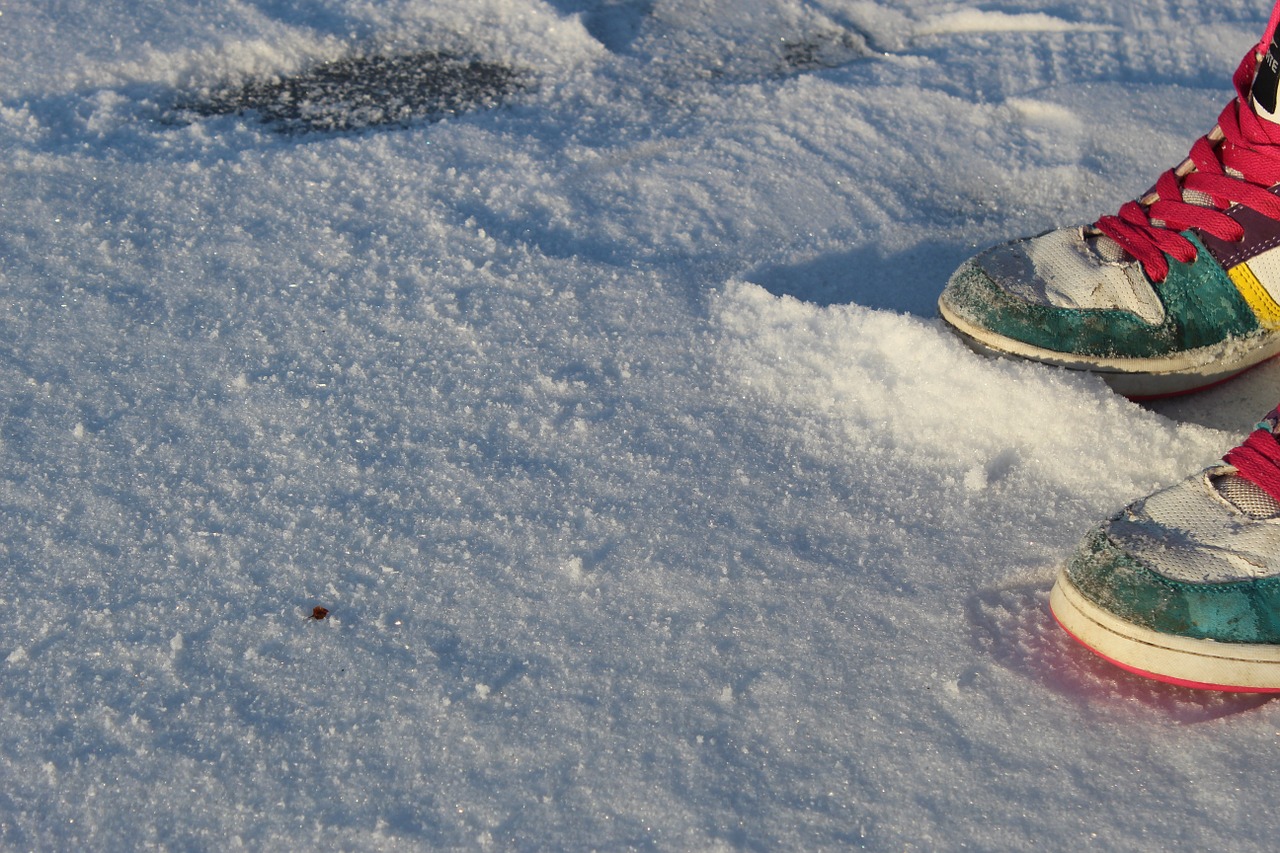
(1059, 297)
(993, 312)
(1184, 562)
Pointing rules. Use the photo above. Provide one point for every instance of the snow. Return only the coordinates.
(651, 505)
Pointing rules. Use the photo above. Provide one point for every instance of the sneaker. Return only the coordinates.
(1184, 586)
(1178, 291)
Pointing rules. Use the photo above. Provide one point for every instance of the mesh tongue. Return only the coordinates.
(1247, 497)
(1254, 487)
(1109, 250)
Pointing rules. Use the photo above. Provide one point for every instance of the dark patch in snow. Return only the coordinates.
(779, 58)
(823, 50)
(364, 91)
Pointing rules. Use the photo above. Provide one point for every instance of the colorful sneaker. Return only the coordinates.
(1184, 586)
(1178, 291)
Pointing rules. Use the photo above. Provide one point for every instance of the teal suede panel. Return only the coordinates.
(1202, 307)
(1202, 302)
(1236, 612)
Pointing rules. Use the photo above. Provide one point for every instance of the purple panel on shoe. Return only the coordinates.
(1260, 234)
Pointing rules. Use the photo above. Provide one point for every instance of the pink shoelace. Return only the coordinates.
(1243, 143)
(1258, 459)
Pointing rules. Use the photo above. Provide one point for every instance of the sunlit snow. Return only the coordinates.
(599, 398)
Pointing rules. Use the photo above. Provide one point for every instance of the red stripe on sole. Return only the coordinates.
(1155, 676)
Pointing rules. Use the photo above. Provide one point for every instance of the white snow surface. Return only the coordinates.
(652, 506)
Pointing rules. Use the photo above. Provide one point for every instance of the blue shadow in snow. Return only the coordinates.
(907, 282)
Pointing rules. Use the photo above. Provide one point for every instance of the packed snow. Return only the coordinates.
(601, 402)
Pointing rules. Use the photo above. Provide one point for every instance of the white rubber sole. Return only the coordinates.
(1205, 664)
(1136, 378)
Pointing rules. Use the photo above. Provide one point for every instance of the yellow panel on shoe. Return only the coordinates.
(1255, 295)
